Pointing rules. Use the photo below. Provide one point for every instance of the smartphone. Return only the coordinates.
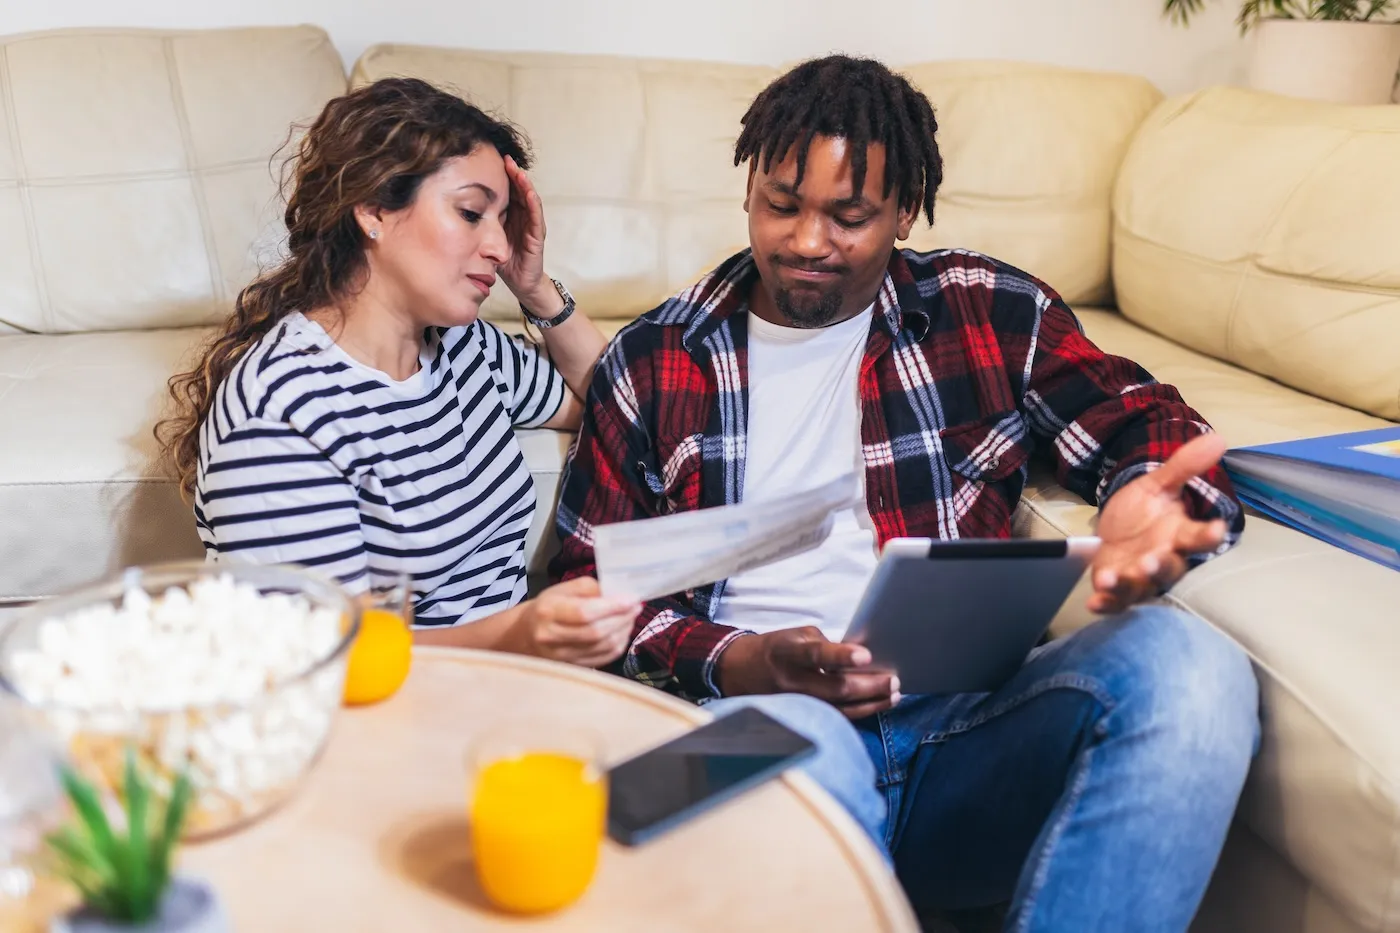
(662, 788)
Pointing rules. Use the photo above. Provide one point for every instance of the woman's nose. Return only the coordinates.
(495, 244)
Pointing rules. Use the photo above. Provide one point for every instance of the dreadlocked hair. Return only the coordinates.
(861, 101)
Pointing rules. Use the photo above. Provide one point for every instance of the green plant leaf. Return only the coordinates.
(168, 836)
(138, 799)
(1253, 11)
(89, 806)
(120, 876)
(77, 860)
(1181, 11)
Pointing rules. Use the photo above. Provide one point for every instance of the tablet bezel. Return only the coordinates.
(894, 631)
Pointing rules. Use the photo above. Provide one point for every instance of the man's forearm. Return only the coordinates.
(678, 651)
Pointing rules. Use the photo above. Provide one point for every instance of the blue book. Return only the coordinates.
(1336, 530)
(1343, 488)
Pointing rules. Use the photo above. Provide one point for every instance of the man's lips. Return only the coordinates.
(483, 282)
(817, 275)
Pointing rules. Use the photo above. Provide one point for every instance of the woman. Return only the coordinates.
(355, 415)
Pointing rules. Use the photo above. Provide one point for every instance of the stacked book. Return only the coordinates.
(1344, 489)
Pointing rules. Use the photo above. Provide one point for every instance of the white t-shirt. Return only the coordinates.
(803, 431)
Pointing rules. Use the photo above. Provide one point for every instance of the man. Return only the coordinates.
(1093, 791)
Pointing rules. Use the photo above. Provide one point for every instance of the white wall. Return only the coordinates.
(1119, 35)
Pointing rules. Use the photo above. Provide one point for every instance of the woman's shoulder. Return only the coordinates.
(478, 342)
(475, 336)
(286, 374)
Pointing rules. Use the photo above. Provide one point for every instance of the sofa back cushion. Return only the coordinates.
(136, 185)
(635, 162)
(1265, 231)
(1031, 154)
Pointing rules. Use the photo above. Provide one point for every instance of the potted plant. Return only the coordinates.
(123, 873)
(1344, 51)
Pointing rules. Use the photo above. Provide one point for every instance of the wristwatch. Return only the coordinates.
(559, 318)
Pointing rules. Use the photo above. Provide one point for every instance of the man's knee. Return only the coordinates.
(841, 765)
(1184, 681)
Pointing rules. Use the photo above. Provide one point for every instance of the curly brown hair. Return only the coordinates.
(372, 147)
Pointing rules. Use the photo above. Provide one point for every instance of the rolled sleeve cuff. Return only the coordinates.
(1204, 502)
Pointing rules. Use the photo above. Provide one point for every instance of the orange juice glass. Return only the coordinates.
(537, 806)
(383, 650)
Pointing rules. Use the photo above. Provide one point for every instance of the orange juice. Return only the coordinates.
(379, 658)
(537, 823)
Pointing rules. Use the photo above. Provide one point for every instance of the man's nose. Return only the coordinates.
(809, 239)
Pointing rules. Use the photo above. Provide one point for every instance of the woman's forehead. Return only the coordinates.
(482, 169)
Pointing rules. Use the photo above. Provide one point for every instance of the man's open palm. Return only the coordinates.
(1147, 535)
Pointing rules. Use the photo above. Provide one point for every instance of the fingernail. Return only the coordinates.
(895, 698)
(860, 656)
(894, 686)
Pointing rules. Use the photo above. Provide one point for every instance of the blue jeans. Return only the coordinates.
(1093, 791)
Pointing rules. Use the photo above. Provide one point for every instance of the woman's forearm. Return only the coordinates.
(493, 633)
(573, 346)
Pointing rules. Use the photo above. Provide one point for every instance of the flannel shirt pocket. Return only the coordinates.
(988, 450)
(675, 481)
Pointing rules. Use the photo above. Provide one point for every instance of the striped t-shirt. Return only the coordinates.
(310, 457)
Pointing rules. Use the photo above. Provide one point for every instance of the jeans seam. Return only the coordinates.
(1088, 685)
(1045, 857)
(893, 779)
(888, 769)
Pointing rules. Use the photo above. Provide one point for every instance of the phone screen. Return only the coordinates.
(663, 787)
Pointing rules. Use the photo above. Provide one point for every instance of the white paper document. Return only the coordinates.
(661, 556)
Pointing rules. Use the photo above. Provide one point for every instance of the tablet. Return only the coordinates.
(961, 616)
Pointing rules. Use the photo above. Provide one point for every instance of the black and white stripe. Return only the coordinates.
(309, 457)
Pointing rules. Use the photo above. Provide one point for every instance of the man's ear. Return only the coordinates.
(906, 219)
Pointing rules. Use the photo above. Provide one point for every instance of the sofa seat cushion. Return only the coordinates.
(1319, 624)
(79, 488)
(81, 494)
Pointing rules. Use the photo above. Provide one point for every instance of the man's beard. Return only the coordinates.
(810, 307)
(807, 308)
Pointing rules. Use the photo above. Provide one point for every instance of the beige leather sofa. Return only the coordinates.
(1250, 246)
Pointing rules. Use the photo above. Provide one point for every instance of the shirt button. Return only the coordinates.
(993, 463)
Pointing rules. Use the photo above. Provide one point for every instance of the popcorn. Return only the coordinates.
(210, 675)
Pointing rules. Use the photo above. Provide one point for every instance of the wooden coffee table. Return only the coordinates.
(376, 838)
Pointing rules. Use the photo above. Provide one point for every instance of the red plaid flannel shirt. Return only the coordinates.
(971, 367)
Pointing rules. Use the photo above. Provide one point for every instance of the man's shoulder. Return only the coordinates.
(676, 323)
(968, 268)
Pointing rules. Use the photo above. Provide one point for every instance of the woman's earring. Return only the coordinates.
(374, 234)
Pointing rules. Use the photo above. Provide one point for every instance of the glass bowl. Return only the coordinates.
(240, 683)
